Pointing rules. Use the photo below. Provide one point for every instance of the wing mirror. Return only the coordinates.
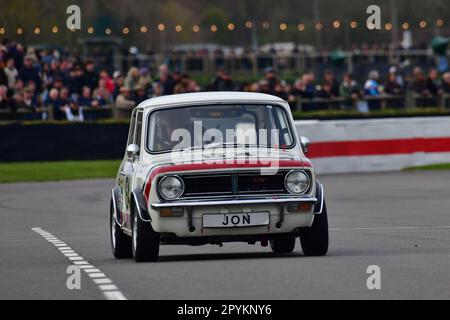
(305, 142)
(132, 151)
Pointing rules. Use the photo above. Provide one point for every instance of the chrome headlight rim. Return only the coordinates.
(308, 176)
(168, 177)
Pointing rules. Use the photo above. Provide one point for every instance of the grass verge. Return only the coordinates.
(441, 166)
(57, 171)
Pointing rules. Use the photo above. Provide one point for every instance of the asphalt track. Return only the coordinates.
(397, 221)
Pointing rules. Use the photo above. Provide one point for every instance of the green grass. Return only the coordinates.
(57, 171)
(441, 166)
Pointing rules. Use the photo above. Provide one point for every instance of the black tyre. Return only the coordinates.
(120, 242)
(315, 240)
(283, 245)
(145, 241)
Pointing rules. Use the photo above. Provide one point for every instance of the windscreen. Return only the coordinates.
(219, 125)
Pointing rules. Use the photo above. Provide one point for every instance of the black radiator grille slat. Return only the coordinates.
(222, 184)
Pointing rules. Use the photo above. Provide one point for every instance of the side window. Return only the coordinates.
(138, 133)
(131, 134)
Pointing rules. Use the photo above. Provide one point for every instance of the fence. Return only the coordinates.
(285, 62)
(407, 101)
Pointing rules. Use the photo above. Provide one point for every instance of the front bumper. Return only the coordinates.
(237, 201)
(282, 220)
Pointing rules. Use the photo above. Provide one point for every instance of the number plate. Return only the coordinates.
(238, 220)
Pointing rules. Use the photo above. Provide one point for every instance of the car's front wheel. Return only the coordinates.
(120, 242)
(145, 241)
(315, 240)
(283, 245)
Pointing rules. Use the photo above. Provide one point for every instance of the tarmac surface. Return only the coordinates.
(399, 222)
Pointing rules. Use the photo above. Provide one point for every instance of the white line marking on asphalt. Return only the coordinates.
(108, 288)
(114, 295)
(391, 228)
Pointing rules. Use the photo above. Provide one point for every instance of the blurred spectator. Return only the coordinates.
(222, 81)
(393, 85)
(76, 79)
(102, 93)
(85, 100)
(166, 80)
(123, 100)
(446, 82)
(271, 80)
(109, 83)
(29, 72)
(331, 84)
(432, 86)
(132, 79)
(11, 72)
(91, 76)
(4, 100)
(419, 83)
(372, 88)
(119, 82)
(140, 94)
(351, 91)
(73, 112)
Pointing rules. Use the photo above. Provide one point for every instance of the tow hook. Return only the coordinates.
(190, 221)
(280, 223)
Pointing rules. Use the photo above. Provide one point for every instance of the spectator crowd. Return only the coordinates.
(41, 80)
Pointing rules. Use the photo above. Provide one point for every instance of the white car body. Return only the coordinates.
(193, 220)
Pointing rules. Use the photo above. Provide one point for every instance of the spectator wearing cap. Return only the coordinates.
(372, 88)
(91, 76)
(123, 100)
(29, 100)
(75, 80)
(271, 79)
(140, 94)
(73, 112)
(29, 72)
(145, 79)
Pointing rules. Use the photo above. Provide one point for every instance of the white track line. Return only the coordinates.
(108, 288)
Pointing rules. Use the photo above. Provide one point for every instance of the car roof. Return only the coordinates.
(212, 97)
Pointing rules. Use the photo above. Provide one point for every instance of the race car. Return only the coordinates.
(212, 168)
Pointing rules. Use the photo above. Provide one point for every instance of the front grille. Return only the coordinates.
(233, 184)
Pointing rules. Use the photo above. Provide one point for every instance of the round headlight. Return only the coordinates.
(297, 182)
(171, 188)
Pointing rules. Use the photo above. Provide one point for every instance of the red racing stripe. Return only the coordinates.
(378, 147)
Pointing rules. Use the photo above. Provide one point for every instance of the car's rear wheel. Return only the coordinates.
(283, 245)
(145, 241)
(120, 242)
(315, 240)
